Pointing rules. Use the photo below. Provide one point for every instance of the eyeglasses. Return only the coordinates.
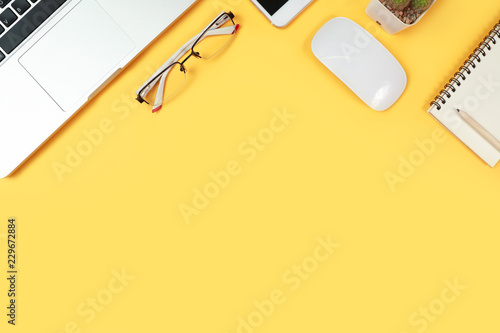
(199, 47)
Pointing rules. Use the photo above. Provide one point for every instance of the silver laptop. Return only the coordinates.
(55, 55)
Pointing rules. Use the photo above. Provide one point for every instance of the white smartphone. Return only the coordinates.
(281, 12)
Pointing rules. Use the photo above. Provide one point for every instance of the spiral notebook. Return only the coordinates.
(475, 88)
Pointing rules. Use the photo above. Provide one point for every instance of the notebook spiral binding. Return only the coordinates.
(481, 51)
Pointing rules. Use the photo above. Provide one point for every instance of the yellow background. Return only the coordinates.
(323, 176)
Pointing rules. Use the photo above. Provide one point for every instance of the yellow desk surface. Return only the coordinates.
(266, 197)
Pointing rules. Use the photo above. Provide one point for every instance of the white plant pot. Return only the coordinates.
(386, 19)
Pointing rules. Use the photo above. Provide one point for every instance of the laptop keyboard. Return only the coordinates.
(20, 18)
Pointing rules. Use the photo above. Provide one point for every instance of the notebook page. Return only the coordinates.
(479, 96)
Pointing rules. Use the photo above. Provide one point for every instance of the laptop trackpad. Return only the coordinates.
(80, 52)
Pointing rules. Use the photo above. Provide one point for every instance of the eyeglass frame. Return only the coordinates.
(197, 55)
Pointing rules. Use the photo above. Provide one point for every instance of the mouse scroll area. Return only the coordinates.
(361, 62)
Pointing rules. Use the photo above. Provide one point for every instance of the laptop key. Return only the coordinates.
(21, 6)
(4, 3)
(2, 57)
(28, 23)
(1, 30)
(8, 17)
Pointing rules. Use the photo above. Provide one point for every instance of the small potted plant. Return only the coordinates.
(396, 15)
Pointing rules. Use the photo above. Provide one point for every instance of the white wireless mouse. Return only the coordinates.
(361, 62)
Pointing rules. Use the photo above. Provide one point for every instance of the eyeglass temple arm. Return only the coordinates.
(146, 87)
(159, 96)
(220, 20)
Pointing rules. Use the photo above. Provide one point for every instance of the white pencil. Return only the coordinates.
(480, 129)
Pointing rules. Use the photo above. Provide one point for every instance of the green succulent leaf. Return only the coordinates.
(397, 4)
(420, 5)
